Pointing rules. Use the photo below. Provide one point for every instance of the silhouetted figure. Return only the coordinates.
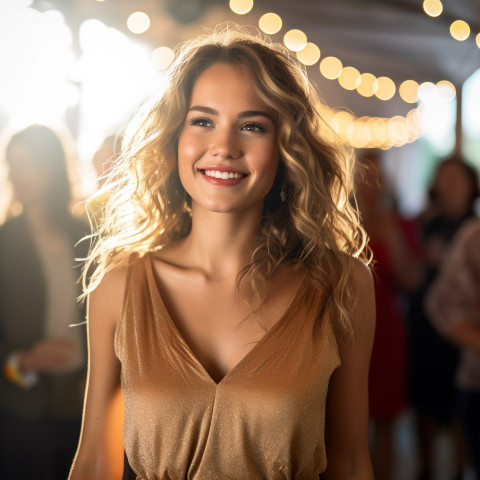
(454, 306)
(43, 359)
(433, 360)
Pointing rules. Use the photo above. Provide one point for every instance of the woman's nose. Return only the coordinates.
(225, 144)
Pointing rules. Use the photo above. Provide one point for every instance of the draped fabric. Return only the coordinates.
(264, 419)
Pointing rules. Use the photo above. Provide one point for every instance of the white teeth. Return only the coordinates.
(222, 175)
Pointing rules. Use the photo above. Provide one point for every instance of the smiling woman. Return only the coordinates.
(229, 297)
(228, 139)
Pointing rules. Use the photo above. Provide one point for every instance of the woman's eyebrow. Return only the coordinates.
(208, 110)
(246, 114)
(255, 113)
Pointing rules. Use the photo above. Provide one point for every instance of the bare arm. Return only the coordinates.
(346, 433)
(104, 308)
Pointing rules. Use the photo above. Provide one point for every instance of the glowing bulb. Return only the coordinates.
(138, 22)
(310, 55)
(270, 23)
(385, 88)
(162, 57)
(349, 79)
(433, 7)
(459, 30)
(331, 67)
(447, 90)
(477, 39)
(295, 40)
(342, 122)
(426, 90)
(408, 90)
(380, 130)
(241, 7)
(367, 86)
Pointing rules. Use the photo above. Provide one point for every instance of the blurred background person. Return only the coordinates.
(453, 304)
(43, 359)
(433, 360)
(396, 269)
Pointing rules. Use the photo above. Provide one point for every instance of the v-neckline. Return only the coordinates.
(286, 314)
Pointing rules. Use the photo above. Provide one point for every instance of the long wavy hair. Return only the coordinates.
(315, 228)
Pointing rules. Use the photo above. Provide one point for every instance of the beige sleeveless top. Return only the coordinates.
(264, 420)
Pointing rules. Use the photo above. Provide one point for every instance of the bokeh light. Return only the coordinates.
(295, 40)
(477, 40)
(310, 55)
(426, 91)
(349, 79)
(241, 7)
(408, 91)
(385, 88)
(460, 30)
(138, 22)
(447, 90)
(270, 23)
(331, 67)
(433, 7)
(367, 86)
(162, 57)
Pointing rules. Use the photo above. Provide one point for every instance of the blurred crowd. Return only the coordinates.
(426, 354)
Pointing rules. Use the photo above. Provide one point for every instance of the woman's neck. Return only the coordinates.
(221, 244)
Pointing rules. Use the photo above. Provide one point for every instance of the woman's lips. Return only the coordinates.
(222, 175)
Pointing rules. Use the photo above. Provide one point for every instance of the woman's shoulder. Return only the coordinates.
(107, 297)
(361, 273)
(363, 314)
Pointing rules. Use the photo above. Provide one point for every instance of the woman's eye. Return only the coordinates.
(254, 127)
(200, 122)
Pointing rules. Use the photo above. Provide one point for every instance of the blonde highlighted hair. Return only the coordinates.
(316, 228)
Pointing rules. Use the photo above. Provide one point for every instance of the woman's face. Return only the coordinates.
(29, 180)
(454, 190)
(227, 150)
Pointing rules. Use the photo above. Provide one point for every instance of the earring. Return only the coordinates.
(283, 195)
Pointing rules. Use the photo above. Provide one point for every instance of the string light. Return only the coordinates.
(385, 88)
(408, 91)
(295, 40)
(363, 132)
(138, 22)
(376, 132)
(241, 7)
(270, 23)
(162, 57)
(331, 67)
(460, 30)
(310, 55)
(349, 79)
(367, 86)
(425, 90)
(433, 7)
(447, 90)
